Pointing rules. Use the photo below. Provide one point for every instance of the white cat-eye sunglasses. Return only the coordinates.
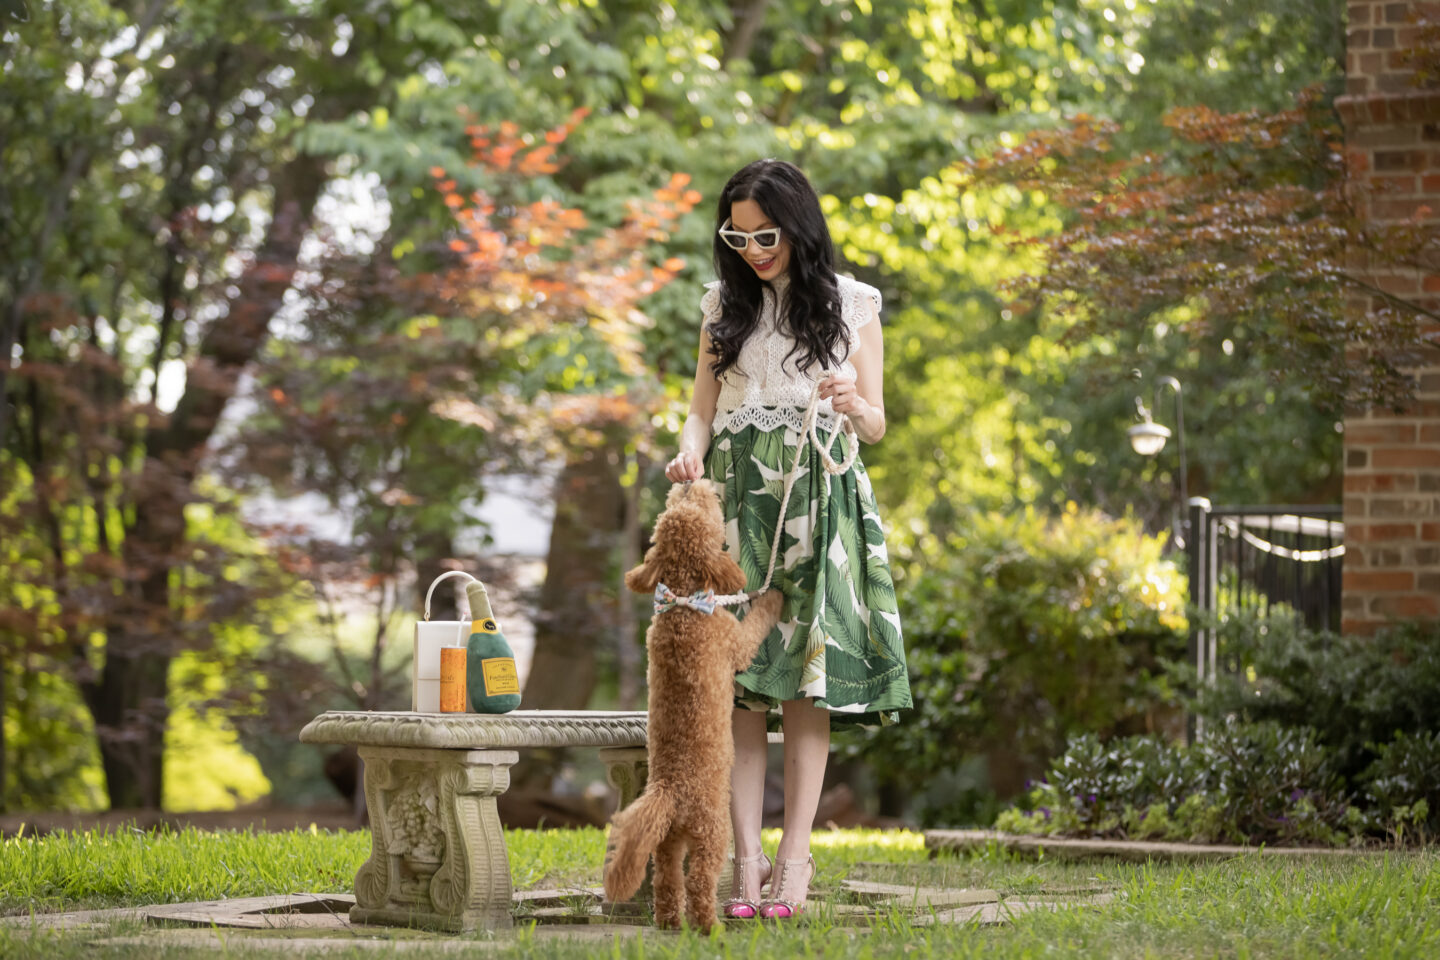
(767, 239)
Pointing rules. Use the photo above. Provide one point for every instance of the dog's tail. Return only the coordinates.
(634, 835)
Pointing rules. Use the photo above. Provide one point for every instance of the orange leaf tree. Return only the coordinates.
(512, 342)
(566, 297)
(537, 267)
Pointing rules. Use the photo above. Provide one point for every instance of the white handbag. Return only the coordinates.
(430, 636)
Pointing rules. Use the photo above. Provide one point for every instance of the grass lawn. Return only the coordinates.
(1248, 907)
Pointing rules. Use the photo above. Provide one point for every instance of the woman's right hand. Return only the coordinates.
(686, 466)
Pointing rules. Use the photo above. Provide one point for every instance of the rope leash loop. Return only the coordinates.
(809, 434)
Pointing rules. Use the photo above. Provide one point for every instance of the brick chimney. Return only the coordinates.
(1392, 459)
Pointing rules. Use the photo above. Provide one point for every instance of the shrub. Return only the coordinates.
(1241, 783)
(1403, 785)
(1354, 691)
(1309, 737)
(1025, 629)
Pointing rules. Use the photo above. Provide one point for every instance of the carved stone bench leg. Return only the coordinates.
(437, 856)
(627, 769)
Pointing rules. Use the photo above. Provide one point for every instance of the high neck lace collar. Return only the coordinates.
(781, 282)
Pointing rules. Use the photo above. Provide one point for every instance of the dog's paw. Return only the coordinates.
(768, 604)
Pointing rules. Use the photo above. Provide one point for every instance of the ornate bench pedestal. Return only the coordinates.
(437, 856)
(627, 769)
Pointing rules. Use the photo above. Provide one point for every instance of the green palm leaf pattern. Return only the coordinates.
(841, 639)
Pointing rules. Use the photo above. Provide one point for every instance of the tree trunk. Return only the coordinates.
(1009, 770)
(741, 36)
(436, 556)
(894, 798)
(129, 700)
(130, 713)
(577, 609)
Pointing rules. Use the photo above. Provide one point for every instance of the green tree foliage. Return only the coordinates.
(1249, 220)
(415, 374)
(1231, 56)
(164, 164)
(151, 213)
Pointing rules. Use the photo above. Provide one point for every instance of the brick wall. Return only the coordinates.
(1392, 459)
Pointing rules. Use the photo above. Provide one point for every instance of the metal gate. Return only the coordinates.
(1265, 560)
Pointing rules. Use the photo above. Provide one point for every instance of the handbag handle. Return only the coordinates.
(444, 576)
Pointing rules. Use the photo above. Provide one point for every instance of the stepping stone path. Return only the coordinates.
(930, 905)
(321, 921)
(964, 841)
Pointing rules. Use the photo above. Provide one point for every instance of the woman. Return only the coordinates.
(777, 320)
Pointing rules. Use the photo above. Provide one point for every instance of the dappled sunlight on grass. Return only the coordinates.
(834, 849)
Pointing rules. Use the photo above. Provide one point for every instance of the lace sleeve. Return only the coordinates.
(861, 305)
(710, 304)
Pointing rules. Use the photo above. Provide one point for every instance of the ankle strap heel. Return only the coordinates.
(785, 903)
(738, 906)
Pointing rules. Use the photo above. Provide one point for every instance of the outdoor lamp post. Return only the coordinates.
(1148, 438)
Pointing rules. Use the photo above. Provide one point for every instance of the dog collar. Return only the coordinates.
(667, 599)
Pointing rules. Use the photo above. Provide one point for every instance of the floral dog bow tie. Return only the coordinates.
(666, 599)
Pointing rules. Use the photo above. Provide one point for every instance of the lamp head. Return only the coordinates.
(1148, 438)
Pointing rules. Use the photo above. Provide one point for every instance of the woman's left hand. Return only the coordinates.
(844, 398)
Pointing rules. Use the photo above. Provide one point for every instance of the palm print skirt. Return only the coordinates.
(838, 639)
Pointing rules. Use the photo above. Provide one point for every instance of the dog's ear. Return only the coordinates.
(644, 578)
(723, 574)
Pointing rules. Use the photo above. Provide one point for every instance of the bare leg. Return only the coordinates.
(747, 780)
(807, 750)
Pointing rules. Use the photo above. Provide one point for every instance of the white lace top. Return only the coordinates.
(766, 389)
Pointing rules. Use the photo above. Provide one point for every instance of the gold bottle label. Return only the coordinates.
(500, 676)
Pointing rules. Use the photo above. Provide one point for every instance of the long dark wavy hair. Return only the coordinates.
(812, 301)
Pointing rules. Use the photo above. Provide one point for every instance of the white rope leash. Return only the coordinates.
(809, 432)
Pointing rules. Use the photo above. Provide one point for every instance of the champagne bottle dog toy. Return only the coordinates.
(490, 663)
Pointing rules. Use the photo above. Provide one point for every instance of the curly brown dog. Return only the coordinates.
(694, 657)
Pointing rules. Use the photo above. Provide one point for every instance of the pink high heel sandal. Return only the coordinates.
(786, 906)
(739, 907)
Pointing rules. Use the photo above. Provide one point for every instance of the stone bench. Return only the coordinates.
(437, 856)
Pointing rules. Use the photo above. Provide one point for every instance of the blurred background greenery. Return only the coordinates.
(290, 288)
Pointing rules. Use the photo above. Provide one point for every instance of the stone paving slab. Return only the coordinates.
(74, 919)
(380, 939)
(989, 914)
(590, 914)
(220, 942)
(308, 911)
(844, 910)
(902, 895)
(557, 897)
(1141, 850)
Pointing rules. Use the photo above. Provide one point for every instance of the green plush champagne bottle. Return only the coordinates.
(489, 662)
